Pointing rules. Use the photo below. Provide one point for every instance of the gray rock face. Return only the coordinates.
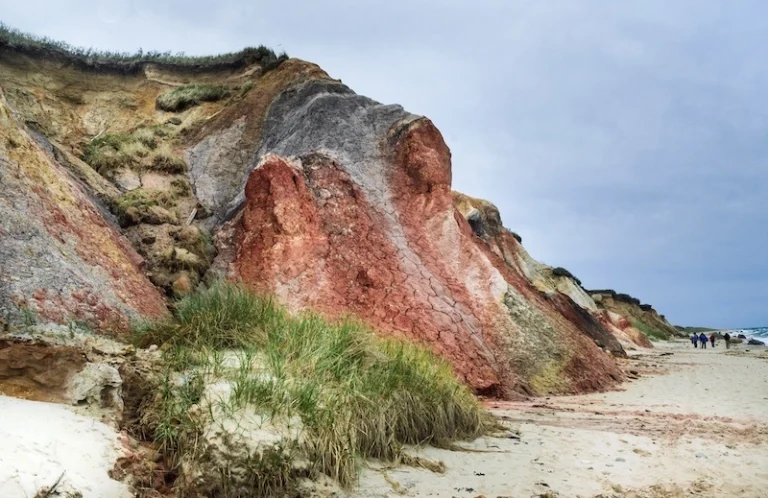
(318, 116)
(218, 166)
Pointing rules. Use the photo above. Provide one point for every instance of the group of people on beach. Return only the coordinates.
(702, 339)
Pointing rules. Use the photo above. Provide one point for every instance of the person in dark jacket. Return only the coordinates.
(727, 338)
(703, 339)
(712, 338)
(695, 340)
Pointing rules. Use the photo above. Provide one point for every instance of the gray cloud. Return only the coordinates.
(624, 140)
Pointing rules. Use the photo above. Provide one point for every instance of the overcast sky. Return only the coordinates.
(624, 140)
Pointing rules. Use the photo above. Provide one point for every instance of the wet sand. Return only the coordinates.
(695, 423)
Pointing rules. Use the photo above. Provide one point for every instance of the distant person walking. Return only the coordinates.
(695, 340)
(712, 338)
(727, 338)
(703, 339)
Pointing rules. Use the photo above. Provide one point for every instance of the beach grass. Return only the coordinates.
(356, 395)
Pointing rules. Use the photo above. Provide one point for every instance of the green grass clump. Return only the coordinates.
(650, 332)
(357, 395)
(138, 202)
(144, 149)
(114, 150)
(190, 95)
(131, 63)
(111, 151)
(164, 160)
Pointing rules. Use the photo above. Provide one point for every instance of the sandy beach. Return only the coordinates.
(694, 423)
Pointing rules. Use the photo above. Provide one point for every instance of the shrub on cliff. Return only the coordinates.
(328, 392)
(187, 96)
(627, 299)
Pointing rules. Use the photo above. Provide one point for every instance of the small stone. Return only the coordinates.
(127, 179)
(701, 455)
(621, 459)
(152, 348)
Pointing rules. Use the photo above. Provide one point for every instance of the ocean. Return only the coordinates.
(759, 333)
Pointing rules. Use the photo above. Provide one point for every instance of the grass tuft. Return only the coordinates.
(187, 96)
(133, 206)
(144, 148)
(356, 395)
(165, 160)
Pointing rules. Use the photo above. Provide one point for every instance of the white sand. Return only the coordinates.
(700, 429)
(40, 441)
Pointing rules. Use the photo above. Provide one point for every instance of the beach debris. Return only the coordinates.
(49, 491)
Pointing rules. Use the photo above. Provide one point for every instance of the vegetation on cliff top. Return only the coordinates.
(354, 395)
(562, 272)
(616, 295)
(88, 58)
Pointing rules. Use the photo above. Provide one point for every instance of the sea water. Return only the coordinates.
(759, 333)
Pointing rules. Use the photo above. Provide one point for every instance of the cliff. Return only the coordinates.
(277, 176)
(642, 316)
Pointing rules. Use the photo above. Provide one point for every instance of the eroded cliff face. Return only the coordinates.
(61, 260)
(348, 209)
(640, 316)
(485, 220)
(325, 198)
